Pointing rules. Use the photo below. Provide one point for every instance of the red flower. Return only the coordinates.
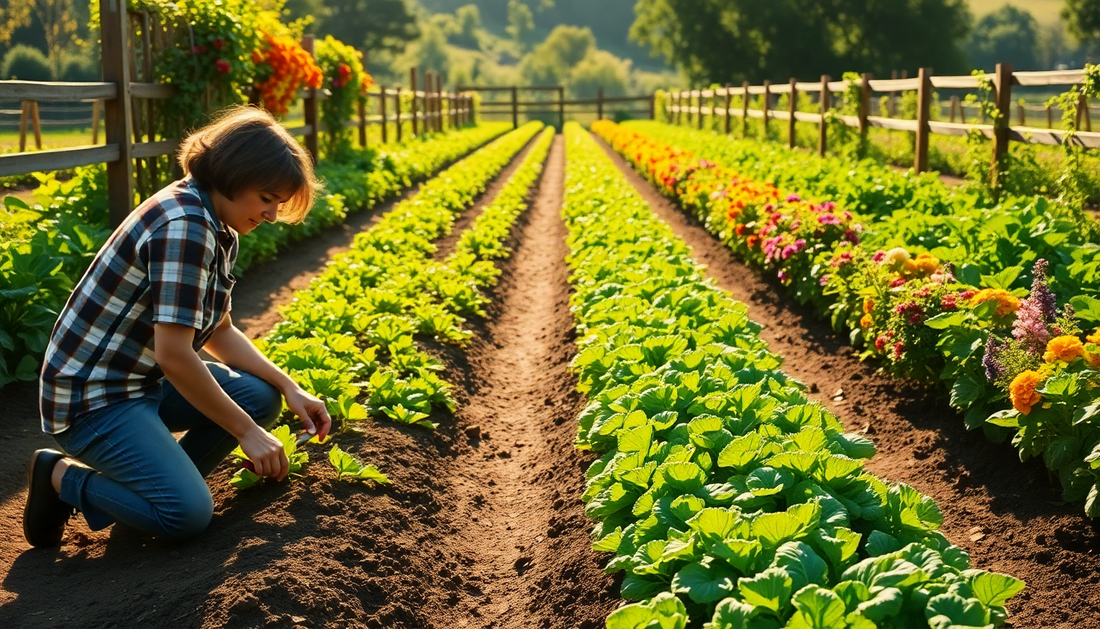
(899, 347)
(897, 282)
(880, 342)
(218, 43)
(198, 50)
(223, 66)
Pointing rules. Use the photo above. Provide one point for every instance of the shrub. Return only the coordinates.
(80, 69)
(26, 63)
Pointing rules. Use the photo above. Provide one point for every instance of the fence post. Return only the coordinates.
(729, 102)
(745, 109)
(599, 103)
(1021, 115)
(36, 124)
(382, 111)
(309, 105)
(864, 110)
(114, 51)
(892, 104)
(702, 120)
(792, 106)
(397, 111)
(1050, 117)
(924, 114)
(412, 83)
(823, 128)
(1083, 113)
(438, 102)
(1002, 86)
(515, 107)
(96, 104)
(767, 103)
(954, 103)
(24, 114)
(561, 106)
(363, 121)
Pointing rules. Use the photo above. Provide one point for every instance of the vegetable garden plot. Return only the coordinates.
(719, 481)
(950, 313)
(377, 559)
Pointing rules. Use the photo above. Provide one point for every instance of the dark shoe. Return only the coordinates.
(45, 515)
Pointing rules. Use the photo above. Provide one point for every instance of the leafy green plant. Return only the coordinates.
(720, 490)
(245, 478)
(350, 468)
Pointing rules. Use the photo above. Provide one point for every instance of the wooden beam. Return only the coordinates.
(1002, 85)
(114, 52)
(823, 129)
(924, 109)
(792, 107)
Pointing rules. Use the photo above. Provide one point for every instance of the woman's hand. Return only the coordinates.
(266, 453)
(311, 410)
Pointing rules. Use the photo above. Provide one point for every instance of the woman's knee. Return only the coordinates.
(189, 513)
(268, 403)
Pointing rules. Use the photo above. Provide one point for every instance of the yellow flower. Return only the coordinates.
(896, 257)
(866, 321)
(1094, 337)
(1093, 359)
(927, 263)
(868, 306)
(1006, 303)
(1022, 391)
(1064, 348)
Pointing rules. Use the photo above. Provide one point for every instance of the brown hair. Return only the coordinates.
(245, 147)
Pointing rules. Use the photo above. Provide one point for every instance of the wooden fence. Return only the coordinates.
(558, 105)
(718, 102)
(130, 41)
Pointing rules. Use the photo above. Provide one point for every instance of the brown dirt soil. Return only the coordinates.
(480, 528)
(1006, 514)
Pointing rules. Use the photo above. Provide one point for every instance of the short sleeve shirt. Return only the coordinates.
(169, 262)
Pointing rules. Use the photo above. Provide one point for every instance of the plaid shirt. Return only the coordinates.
(169, 262)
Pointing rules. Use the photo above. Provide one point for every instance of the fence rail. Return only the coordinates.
(559, 105)
(692, 103)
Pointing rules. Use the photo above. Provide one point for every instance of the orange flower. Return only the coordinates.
(1022, 391)
(1094, 337)
(1006, 303)
(866, 321)
(926, 263)
(868, 306)
(1064, 348)
(751, 241)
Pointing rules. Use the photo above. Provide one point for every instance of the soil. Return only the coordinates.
(482, 526)
(1008, 516)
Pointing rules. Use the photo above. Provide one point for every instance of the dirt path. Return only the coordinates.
(1004, 513)
(515, 511)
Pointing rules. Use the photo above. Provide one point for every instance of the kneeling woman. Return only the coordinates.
(122, 370)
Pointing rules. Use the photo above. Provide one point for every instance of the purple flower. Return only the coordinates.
(994, 370)
(851, 236)
(783, 276)
(1036, 312)
(828, 219)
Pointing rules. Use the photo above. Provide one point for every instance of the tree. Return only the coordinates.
(600, 69)
(1082, 18)
(431, 54)
(469, 23)
(521, 23)
(370, 24)
(57, 17)
(553, 60)
(1008, 34)
(735, 40)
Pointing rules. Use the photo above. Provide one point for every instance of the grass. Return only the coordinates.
(52, 138)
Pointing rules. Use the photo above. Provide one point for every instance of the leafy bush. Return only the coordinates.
(80, 69)
(26, 63)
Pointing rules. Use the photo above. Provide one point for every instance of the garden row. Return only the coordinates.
(722, 491)
(933, 282)
(45, 249)
(351, 335)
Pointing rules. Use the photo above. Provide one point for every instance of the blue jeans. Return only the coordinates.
(141, 476)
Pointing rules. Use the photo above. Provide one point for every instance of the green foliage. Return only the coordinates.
(350, 468)
(342, 67)
(468, 21)
(735, 40)
(1008, 35)
(80, 68)
(245, 478)
(26, 64)
(521, 23)
(720, 490)
(375, 25)
(599, 69)
(1082, 19)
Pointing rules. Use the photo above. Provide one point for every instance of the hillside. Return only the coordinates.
(1045, 11)
(609, 20)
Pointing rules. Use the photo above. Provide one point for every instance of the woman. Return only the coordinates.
(122, 370)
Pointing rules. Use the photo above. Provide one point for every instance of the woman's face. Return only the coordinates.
(248, 209)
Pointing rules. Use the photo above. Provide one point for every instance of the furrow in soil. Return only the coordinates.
(1006, 514)
(518, 525)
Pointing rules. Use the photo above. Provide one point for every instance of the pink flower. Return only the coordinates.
(824, 281)
(879, 256)
(827, 206)
(847, 215)
(828, 219)
(793, 198)
(783, 276)
(795, 225)
(222, 66)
